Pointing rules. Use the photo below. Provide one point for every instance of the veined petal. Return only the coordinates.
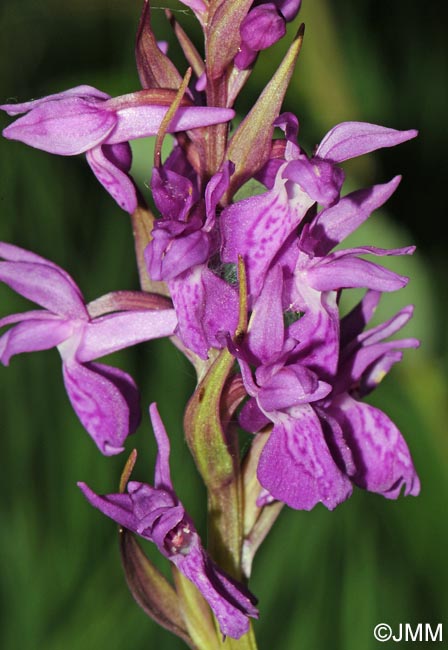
(384, 330)
(230, 602)
(109, 166)
(350, 272)
(296, 466)
(372, 359)
(33, 335)
(291, 386)
(121, 330)
(333, 225)
(382, 459)
(142, 121)
(45, 285)
(104, 399)
(351, 139)
(257, 227)
(266, 329)
(205, 306)
(66, 127)
(317, 333)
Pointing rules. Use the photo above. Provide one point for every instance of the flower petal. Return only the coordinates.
(162, 474)
(118, 507)
(230, 602)
(145, 120)
(110, 167)
(382, 459)
(296, 466)
(333, 225)
(350, 272)
(266, 329)
(321, 180)
(45, 285)
(66, 126)
(123, 329)
(105, 401)
(205, 306)
(33, 335)
(354, 322)
(12, 253)
(85, 92)
(251, 417)
(352, 139)
(257, 227)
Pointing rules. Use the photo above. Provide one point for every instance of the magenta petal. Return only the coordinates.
(45, 285)
(291, 386)
(32, 335)
(142, 121)
(389, 328)
(334, 224)
(296, 466)
(12, 253)
(257, 227)
(317, 333)
(205, 306)
(122, 329)
(321, 180)
(251, 417)
(262, 27)
(118, 507)
(230, 602)
(162, 474)
(107, 163)
(65, 127)
(370, 358)
(382, 459)
(354, 322)
(85, 92)
(352, 139)
(350, 272)
(104, 399)
(266, 329)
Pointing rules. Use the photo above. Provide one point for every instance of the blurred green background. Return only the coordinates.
(323, 579)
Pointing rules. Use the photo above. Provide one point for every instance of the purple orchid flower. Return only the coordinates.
(259, 226)
(156, 514)
(368, 444)
(86, 120)
(296, 465)
(104, 398)
(323, 438)
(184, 240)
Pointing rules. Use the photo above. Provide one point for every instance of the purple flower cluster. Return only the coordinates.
(303, 367)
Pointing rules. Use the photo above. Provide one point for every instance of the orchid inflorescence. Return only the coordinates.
(247, 288)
